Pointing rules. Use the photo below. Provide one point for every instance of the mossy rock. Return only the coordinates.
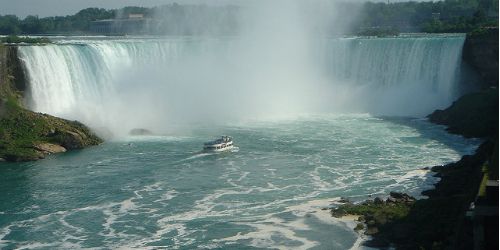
(27, 135)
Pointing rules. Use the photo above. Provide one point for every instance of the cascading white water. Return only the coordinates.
(397, 76)
(123, 84)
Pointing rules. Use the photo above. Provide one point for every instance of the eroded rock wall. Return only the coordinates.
(481, 53)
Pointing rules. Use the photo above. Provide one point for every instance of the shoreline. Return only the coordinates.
(423, 224)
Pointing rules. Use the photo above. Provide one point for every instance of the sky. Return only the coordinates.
(45, 8)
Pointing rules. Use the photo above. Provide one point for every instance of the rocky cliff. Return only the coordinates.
(476, 114)
(12, 80)
(481, 53)
(472, 115)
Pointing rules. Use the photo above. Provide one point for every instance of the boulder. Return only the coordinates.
(378, 201)
(401, 197)
(378, 243)
(71, 140)
(140, 131)
(391, 200)
(50, 148)
(409, 197)
(344, 200)
(396, 195)
(371, 231)
(368, 202)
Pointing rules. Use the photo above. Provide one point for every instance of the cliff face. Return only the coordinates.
(476, 114)
(12, 79)
(481, 53)
(473, 115)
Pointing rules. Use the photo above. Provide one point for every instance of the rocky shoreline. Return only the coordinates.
(439, 221)
(407, 223)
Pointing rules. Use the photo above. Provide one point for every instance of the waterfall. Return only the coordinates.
(122, 84)
(419, 73)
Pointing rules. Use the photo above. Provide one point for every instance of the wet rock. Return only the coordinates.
(50, 148)
(378, 243)
(378, 201)
(371, 231)
(45, 149)
(391, 200)
(71, 140)
(21, 157)
(396, 195)
(344, 200)
(368, 202)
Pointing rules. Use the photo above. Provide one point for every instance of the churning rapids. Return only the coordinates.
(342, 117)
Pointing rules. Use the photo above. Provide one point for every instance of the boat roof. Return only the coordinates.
(224, 138)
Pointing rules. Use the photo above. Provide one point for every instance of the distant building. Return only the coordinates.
(133, 24)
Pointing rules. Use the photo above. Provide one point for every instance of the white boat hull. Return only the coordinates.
(219, 149)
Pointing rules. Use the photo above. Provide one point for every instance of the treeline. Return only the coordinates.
(379, 14)
(177, 20)
(80, 22)
(462, 24)
(438, 16)
(225, 20)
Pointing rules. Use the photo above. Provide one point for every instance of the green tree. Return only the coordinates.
(9, 24)
(31, 25)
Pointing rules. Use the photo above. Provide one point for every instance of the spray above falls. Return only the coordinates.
(274, 67)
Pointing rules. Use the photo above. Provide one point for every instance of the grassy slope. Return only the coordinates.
(22, 130)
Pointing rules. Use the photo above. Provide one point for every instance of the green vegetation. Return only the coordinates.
(359, 227)
(80, 22)
(23, 130)
(490, 170)
(177, 20)
(433, 17)
(26, 135)
(376, 215)
(460, 24)
(16, 39)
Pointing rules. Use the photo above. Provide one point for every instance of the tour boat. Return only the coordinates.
(219, 145)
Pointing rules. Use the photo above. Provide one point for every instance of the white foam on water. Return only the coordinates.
(274, 191)
(3, 233)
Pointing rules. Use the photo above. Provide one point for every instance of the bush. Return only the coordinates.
(16, 39)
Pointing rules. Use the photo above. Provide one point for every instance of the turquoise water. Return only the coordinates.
(163, 192)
